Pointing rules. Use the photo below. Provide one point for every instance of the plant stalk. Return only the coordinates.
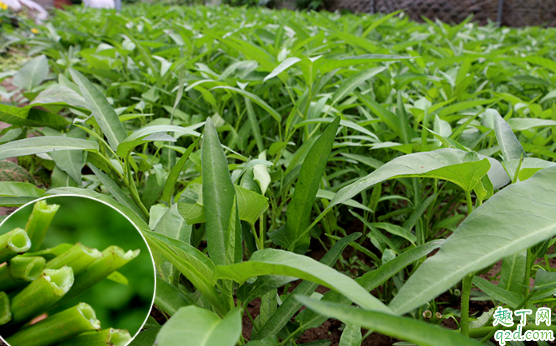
(36, 298)
(113, 258)
(13, 243)
(20, 270)
(5, 311)
(115, 337)
(465, 294)
(78, 258)
(57, 328)
(38, 223)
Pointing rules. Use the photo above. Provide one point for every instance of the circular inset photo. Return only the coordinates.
(73, 271)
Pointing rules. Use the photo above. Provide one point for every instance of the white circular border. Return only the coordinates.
(127, 218)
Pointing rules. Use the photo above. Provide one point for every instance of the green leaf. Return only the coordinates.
(69, 161)
(175, 172)
(218, 197)
(169, 298)
(326, 65)
(255, 99)
(32, 73)
(135, 219)
(19, 189)
(395, 230)
(329, 195)
(115, 190)
(29, 116)
(190, 205)
(500, 227)
(284, 65)
(521, 124)
(60, 95)
(200, 327)
(105, 116)
(390, 119)
(146, 337)
(290, 306)
(192, 263)
(147, 134)
(251, 205)
(497, 292)
(172, 225)
(351, 336)
(403, 328)
(460, 167)
(544, 280)
(118, 277)
(509, 145)
(347, 86)
(37, 145)
(513, 272)
(279, 262)
(292, 236)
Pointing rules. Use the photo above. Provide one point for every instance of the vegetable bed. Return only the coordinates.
(397, 177)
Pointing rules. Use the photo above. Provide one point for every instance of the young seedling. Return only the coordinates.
(36, 298)
(39, 221)
(115, 337)
(57, 328)
(20, 270)
(13, 243)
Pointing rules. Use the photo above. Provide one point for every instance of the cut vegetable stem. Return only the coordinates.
(57, 328)
(38, 222)
(13, 243)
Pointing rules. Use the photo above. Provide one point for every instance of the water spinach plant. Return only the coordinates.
(252, 154)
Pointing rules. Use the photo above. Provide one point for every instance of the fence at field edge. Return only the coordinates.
(513, 13)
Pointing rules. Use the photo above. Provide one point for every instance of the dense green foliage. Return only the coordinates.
(315, 125)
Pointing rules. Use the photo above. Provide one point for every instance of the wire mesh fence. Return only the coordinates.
(513, 13)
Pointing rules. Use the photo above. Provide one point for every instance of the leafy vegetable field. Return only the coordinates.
(403, 172)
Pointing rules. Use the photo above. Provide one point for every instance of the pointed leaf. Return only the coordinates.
(218, 195)
(284, 65)
(403, 328)
(279, 262)
(509, 145)
(500, 227)
(306, 188)
(115, 190)
(460, 167)
(105, 116)
(193, 325)
(32, 73)
(38, 145)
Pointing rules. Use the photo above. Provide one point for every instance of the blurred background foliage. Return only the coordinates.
(97, 225)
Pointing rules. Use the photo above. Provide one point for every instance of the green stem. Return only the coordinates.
(113, 258)
(36, 298)
(469, 203)
(13, 243)
(5, 311)
(78, 258)
(20, 270)
(465, 294)
(114, 337)
(133, 190)
(38, 223)
(57, 328)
